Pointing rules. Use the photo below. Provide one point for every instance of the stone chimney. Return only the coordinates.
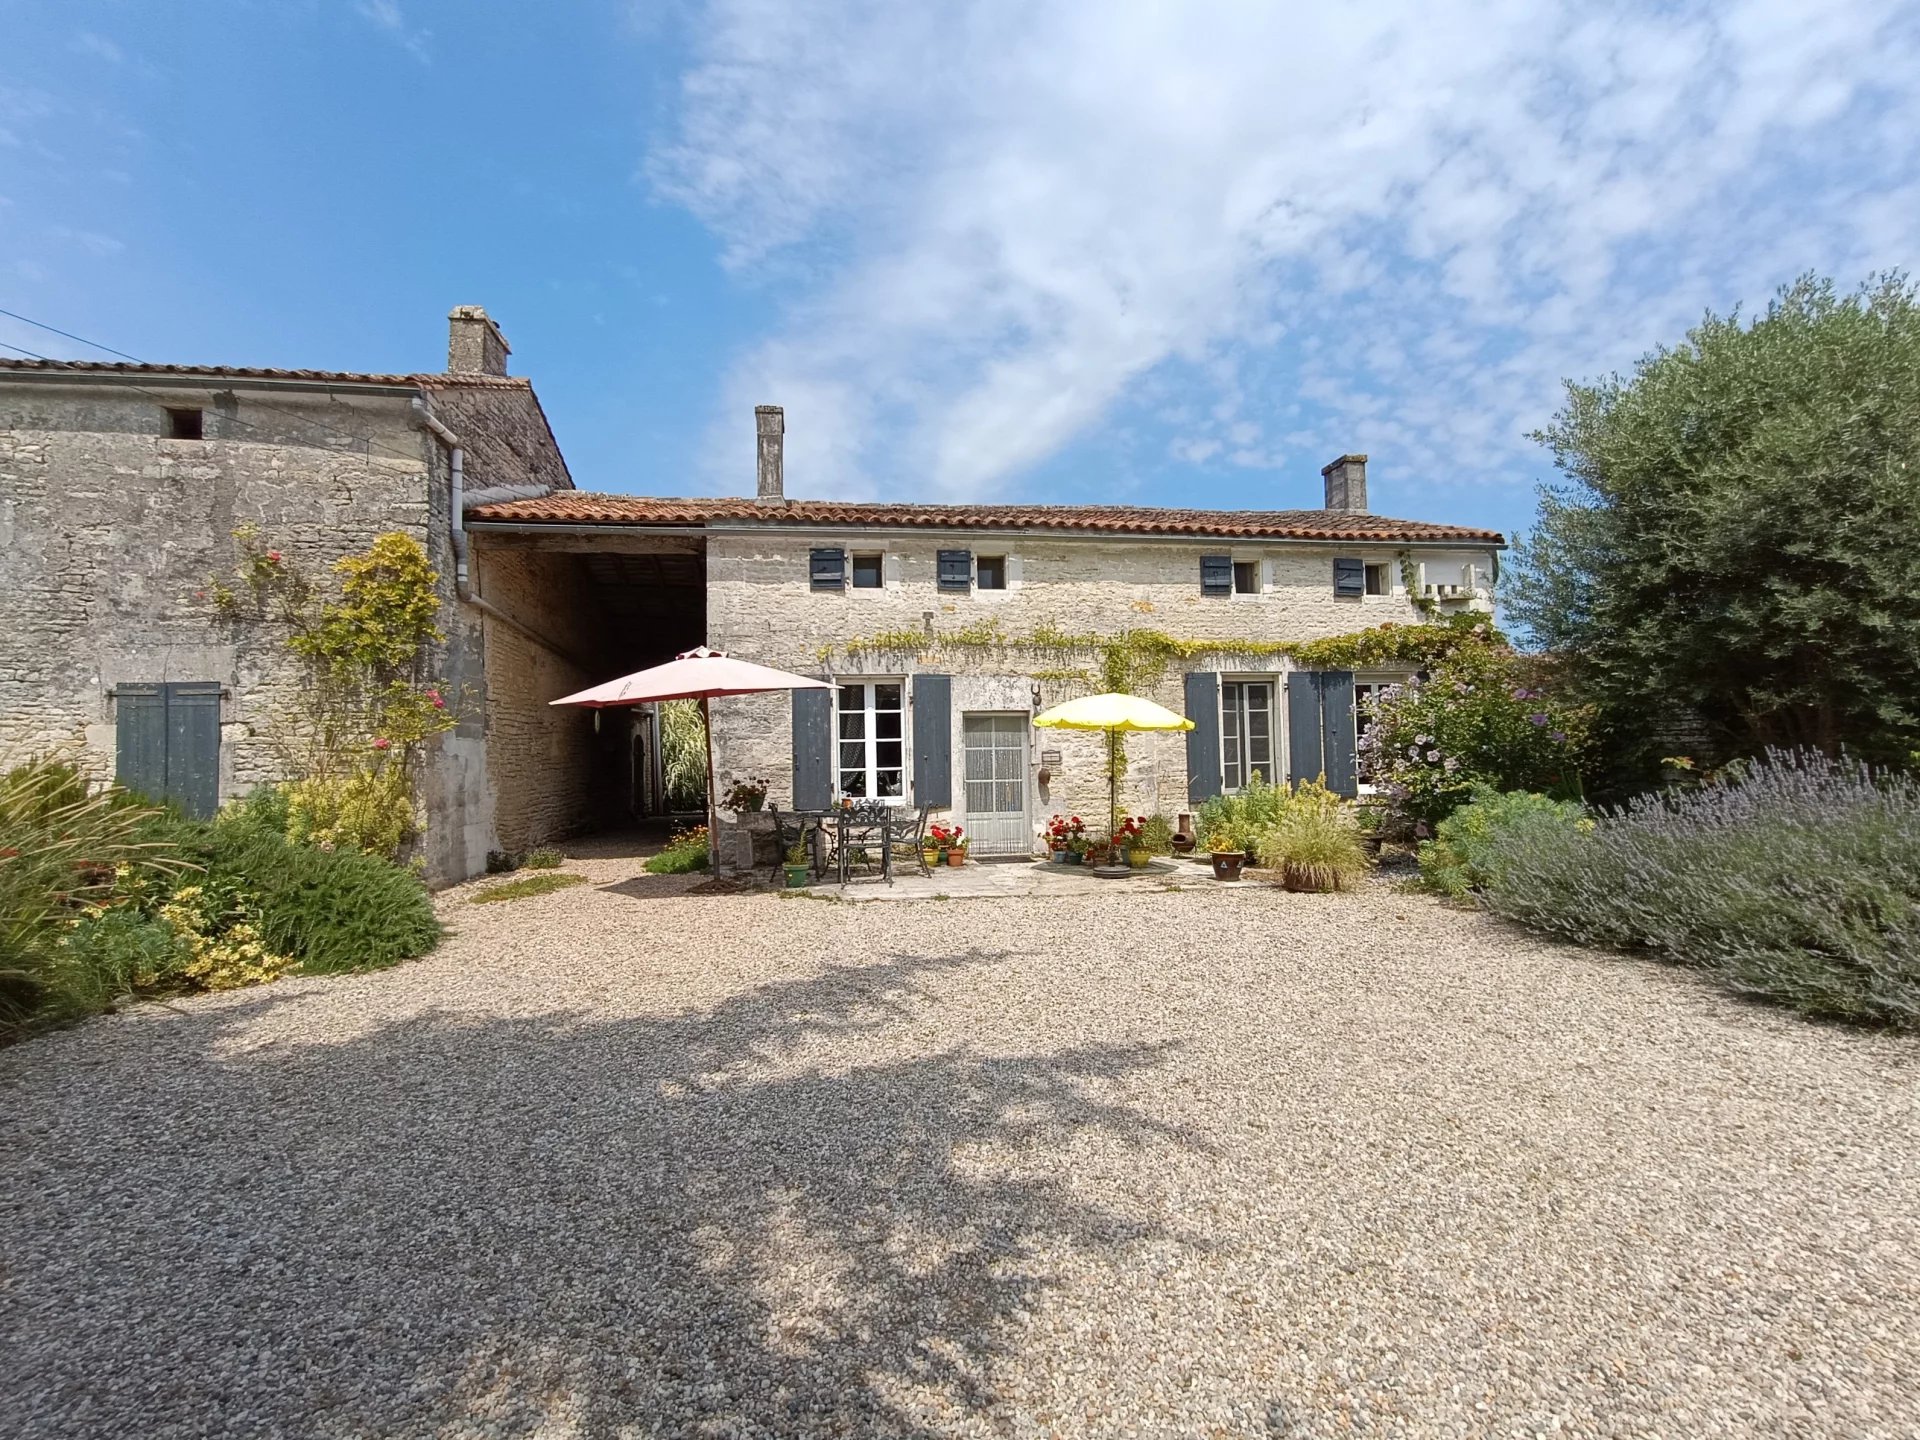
(771, 422)
(1346, 483)
(475, 345)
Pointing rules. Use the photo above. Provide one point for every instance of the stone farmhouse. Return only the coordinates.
(943, 628)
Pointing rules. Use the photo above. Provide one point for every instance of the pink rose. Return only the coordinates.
(274, 556)
(382, 743)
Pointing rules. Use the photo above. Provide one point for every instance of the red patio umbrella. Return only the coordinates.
(698, 674)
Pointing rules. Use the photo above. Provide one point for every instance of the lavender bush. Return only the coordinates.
(1796, 878)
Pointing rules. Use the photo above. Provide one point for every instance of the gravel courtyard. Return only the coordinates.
(621, 1161)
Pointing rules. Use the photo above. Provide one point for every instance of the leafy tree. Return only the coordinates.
(1739, 540)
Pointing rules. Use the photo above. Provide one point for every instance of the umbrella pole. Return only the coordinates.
(1113, 789)
(713, 834)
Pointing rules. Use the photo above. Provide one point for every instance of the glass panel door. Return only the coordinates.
(994, 782)
(1246, 732)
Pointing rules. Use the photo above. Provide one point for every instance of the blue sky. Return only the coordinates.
(1079, 251)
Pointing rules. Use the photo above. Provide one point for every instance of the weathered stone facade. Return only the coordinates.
(761, 605)
(110, 531)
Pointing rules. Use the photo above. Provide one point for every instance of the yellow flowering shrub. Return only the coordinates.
(369, 808)
(225, 950)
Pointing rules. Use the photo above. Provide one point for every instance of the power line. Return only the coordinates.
(366, 440)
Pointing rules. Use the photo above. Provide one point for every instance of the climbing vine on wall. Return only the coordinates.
(1138, 659)
(368, 704)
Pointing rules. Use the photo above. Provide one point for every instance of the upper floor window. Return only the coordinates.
(955, 569)
(1246, 577)
(990, 572)
(1379, 578)
(185, 424)
(866, 572)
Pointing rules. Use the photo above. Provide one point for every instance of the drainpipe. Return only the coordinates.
(457, 534)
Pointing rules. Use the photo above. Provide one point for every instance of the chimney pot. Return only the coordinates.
(475, 345)
(1346, 483)
(771, 423)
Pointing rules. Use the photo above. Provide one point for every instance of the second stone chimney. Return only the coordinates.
(1346, 483)
(475, 345)
(771, 422)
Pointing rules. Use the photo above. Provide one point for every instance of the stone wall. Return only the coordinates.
(760, 606)
(541, 760)
(110, 531)
(109, 534)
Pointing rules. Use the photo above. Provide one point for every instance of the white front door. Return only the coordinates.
(995, 784)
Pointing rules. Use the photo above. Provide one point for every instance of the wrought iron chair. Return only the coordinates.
(864, 831)
(911, 831)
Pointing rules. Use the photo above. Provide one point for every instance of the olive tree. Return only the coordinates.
(1737, 540)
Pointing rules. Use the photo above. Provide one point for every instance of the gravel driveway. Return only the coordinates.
(622, 1161)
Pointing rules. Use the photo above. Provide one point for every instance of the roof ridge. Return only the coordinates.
(427, 378)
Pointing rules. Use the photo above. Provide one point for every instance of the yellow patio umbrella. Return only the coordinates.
(1112, 713)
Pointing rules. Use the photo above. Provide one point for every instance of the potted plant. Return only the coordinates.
(747, 796)
(930, 849)
(796, 866)
(1130, 837)
(957, 851)
(1060, 834)
(1227, 860)
(942, 839)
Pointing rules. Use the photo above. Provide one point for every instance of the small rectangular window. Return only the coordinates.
(990, 572)
(866, 572)
(1380, 579)
(827, 569)
(956, 569)
(1246, 577)
(1349, 578)
(1216, 574)
(185, 424)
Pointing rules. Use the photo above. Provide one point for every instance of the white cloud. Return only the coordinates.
(991, 223)
(389, 18)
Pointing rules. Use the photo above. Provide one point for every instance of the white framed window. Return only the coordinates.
(1246, 577)
(1379, 577)
(870, 760)
(1246, 733)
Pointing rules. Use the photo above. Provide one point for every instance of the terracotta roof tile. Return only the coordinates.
(244, 372)
(576, 507)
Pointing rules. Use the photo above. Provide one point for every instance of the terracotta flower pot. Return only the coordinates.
(956, 857)
(1227, 863)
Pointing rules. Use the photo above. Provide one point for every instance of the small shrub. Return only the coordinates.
(1457, 861)
(1314, 842)
(685, 853)
(368, 808)
(1240, 818)
(63, 853)
(522, 889)
(1157, 835)
(545, 858)
(1796, 878)
(221, 940)
(105, 957)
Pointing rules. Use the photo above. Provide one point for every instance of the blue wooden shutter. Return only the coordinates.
(193, 746)
(956, 569)
(1336, 732)
(812, 749)
(1349, 577)
(1203, 741)
(1304, 732)
(827, 569)
(933, 739)
(1216, 575)
(140, 739)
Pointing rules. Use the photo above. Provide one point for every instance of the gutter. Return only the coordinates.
(209, 383)
(457, 533)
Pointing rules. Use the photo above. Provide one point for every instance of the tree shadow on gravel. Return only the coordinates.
(569, 1225)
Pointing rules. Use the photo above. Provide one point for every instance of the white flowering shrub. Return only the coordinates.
(1475, 720)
